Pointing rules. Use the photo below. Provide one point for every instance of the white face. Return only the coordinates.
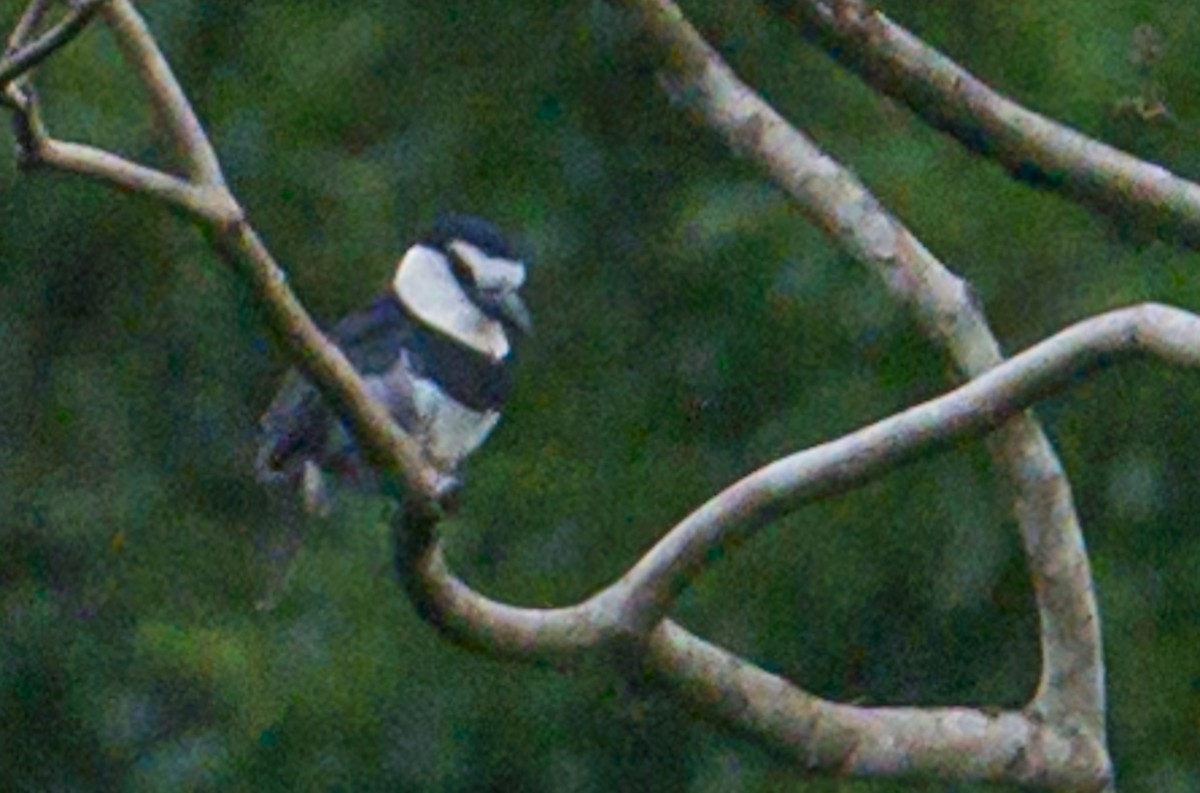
(428, 289)
(493, 273)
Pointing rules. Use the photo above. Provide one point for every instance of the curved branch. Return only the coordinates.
(645, 594)
(556, 636)
(972, 410)
(818, 735)
(1071, 690)
(1031, 147)
(958, 742)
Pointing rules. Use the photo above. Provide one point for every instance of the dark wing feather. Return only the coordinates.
(297, 425)
(373, 338)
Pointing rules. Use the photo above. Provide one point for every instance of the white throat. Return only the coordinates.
(430, 292)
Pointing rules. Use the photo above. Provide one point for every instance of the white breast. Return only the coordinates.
(447, 429)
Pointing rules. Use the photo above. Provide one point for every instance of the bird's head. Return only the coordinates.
(463, 279)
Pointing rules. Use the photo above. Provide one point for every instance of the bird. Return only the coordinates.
(435, 348)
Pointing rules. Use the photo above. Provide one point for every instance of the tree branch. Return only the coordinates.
(22, 57)
(818, 735)
(30, 19)
(382, 441)
(206, 201)
(555, 637)
(1031, 147)
(945, 309)
(645, 594)
(970, 411)
(958, 743)
(166, 96)
(104, 166)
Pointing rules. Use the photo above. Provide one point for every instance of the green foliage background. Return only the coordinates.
(691, 327)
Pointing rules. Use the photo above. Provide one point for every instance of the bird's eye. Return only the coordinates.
(462, 271)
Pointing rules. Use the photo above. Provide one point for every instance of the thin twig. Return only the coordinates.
(26, 56)
(29, 21)
(124, 174)
(166, 96)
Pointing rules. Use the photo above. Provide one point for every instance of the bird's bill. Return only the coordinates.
(513, 308)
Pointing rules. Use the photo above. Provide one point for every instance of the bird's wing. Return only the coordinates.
(293, 427)
(373, 338)
(297, 425)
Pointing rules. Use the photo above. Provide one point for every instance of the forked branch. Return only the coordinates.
(23, 55)
(1071, 691)
(203, 197)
